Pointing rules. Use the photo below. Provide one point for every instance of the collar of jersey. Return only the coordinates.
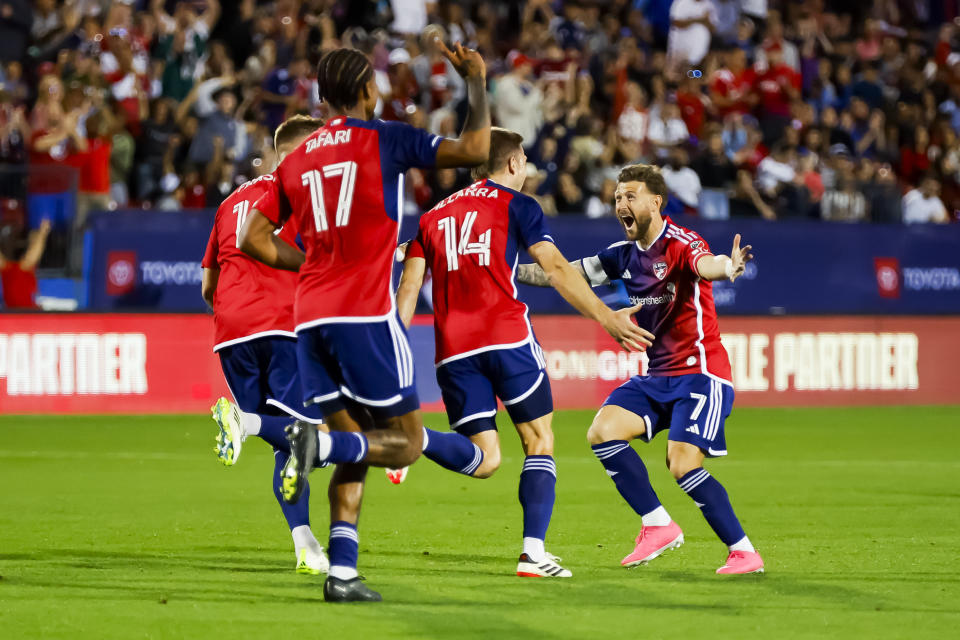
(663, 230)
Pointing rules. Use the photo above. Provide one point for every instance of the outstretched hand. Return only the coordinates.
(739, 257)
(624, 330)
(467, 62)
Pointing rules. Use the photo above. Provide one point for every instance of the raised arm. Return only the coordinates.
(409, 288)
(473, 145)
(256, 239)
(35, 247)
(719, 267)
(574, 288)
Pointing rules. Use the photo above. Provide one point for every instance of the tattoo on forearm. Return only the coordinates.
(533, 275)
(478, 111)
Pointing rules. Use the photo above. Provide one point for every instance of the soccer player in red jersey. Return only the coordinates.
(668, 270)
(253, 328)
(344, 189)
(486, 348)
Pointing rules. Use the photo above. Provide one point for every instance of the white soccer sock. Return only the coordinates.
(250, 422)
(533, 547)
(742, 544)
(324, 444)
(342, 573)
(303, 538)
(656, 518)
(426, 439)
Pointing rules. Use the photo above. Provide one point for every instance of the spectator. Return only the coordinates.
(868, 88)
(18, 273)
(517, 101)
(682, 181)
(879, 187)
(776, 170)
(843, 202)
(601, 205)
(15, 25)
(285, 92)
(777, 85)
(569, 196)
(717, 174)
(221, 124)
(731, 85)
(667, 129)
(727, 14)
(155, 138)
(632, 123)
(914, 158)
(923, 204)
(691, 23)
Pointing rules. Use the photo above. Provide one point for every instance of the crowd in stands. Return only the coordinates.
(846, 110)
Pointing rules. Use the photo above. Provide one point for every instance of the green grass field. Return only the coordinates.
(114, 527)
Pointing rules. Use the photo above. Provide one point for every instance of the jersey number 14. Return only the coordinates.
(313, 180)
(461, 246)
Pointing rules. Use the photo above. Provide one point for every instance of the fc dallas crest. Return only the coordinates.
(660, 269)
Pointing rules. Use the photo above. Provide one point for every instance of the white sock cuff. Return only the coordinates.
(303, 537)
(343, 573)
(426, 438)
(250, 422)
(743, 544)
(534, 548)
(656, 518)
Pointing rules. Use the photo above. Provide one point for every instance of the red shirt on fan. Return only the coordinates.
(471, 241)
(252, 300)
(19, 286)
(344, 189)
(734, 86)
(771, 85)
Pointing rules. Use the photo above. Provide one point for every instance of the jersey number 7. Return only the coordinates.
(463, 247)
(313, 180)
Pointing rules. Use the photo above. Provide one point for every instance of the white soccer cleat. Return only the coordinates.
(312, 562)
(548, 567)
(230, 437)
(396, 476)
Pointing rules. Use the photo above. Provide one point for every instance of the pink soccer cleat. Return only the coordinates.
(742, 562)
(396, 476)
(652, 542)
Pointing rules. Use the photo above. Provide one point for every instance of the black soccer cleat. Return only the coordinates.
(302, 437)
(352, 590)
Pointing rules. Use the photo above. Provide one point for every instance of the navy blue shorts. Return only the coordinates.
(471, 385)
(369, 363)
(263, 378)
(693, 407)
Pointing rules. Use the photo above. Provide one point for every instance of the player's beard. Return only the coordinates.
(635, 224)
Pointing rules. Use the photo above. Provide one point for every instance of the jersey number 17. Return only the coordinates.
(313, 180)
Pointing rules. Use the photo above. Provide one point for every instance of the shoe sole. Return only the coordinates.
(740, 573)
(310, 571)
(656, 554)
(226, 455)
(294, 475)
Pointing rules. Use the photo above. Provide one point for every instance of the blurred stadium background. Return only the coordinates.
(824, 131)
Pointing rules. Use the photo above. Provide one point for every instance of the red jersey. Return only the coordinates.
(677, 304)
(19, 286)
(471, 241)
(734, 86)
(344, 189)
(252, 300)
(772, 86)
